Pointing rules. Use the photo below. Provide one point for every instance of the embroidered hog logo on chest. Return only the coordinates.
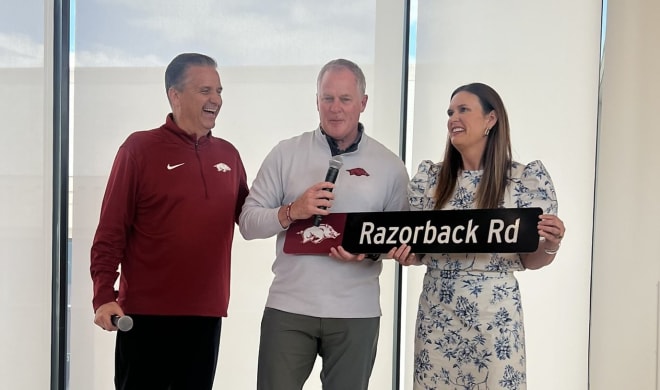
(222, 167)
(357, 172)
(316, 234)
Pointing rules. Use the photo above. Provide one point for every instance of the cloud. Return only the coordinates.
(19, 50)
(112, 57)
(236, 32)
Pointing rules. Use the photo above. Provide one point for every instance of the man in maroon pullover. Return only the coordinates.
(166, 227)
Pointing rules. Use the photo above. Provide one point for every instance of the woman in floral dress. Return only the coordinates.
(469, 331)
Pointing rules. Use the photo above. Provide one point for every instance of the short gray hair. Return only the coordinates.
(176, 71)
(341, 63)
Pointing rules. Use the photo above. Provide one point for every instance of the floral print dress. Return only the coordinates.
(469, 330)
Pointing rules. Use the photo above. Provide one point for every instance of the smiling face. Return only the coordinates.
(340, 103)
(467, 125)
(196, 103)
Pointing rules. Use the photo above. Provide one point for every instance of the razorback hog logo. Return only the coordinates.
(222, 167)
(357, 172)
(316, 234)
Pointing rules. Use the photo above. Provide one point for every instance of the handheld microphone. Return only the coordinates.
(124, 323)
(333, 170)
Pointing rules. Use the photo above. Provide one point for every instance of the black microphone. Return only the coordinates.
(124, 323)
(333, 170)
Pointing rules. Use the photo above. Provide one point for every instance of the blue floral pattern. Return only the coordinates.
(469, 331)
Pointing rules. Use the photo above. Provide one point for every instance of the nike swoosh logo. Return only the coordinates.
(170, 167)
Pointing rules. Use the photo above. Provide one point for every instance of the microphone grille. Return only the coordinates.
(125, 323)
(336, 162)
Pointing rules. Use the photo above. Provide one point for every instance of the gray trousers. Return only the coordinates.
(290, 343)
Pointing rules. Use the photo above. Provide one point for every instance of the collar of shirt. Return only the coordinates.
(334, 149)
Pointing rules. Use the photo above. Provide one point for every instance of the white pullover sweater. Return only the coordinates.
(318, 285)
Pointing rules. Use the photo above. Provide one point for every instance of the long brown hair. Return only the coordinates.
(496, 159)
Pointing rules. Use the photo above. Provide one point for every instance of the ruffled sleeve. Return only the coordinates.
(534, 188)
(421, 188)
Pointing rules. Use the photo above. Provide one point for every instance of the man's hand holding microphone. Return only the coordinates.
(111, 317)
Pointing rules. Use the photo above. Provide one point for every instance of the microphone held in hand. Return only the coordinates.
(333, 171)
(124, 323)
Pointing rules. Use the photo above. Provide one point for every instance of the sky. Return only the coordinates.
(21, 33)
(236, 32)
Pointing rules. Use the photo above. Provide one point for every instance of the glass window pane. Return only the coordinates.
(25, 198)
(269, 54)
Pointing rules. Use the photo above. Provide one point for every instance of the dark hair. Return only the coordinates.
(496, 159)
(341, 63)
(175, 73)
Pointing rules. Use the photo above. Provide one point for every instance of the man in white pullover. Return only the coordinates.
(326, 305)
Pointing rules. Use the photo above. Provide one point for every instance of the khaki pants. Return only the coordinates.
(290, 343)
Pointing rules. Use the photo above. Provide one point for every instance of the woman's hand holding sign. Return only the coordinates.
(404, 255)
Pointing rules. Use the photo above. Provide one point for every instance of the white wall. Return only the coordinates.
(626, 266)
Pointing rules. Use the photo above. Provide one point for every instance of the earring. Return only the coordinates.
(487, 131)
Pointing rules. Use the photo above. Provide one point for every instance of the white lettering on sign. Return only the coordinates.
(430, 234)
(510, 233)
